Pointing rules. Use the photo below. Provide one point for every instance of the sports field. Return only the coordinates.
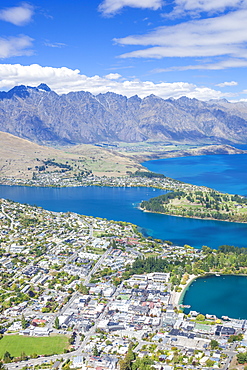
(17, 344)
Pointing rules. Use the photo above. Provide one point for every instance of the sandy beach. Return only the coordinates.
(176, 296)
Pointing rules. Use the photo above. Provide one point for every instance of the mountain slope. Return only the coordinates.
(20, 158)
(40, 115)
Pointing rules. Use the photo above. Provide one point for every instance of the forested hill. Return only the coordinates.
(208, 204)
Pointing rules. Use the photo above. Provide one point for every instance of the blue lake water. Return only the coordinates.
(120, 204)
(218, 295)
(226, 173)
(222, 295)
(225, 295)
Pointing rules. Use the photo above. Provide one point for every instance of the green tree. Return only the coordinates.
(242, 357)
(126, 362)
(209, 363)
(23, 356)
(214, 344)
(235, 338)
(72, 340)
(23, 322)
(144, 363)
(95, 351)
(7, 357)
(56, 323)
(83, 289)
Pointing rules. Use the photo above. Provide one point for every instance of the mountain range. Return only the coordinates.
(44, 117)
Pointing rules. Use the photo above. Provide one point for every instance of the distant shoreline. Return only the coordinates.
(193, 217)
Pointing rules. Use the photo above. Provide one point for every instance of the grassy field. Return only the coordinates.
(145, 151)
(19, 158)
(16, 344)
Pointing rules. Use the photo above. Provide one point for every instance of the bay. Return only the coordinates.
(223, 295)
(121, 204)
(218, 295)
(226, 173)
(215, 295)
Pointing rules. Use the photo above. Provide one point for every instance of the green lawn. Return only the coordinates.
(16, 344)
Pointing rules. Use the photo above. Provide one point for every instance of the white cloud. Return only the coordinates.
(180, 7)
(113, 76)
(54, 44)
(230, 83)
(111, 7)
(194, 7)
(15, 46)
(19, 15)
(225, 35)
(223, 64)
(63, 80)
(208, 5)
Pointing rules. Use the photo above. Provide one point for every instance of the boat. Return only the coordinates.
(184, 306)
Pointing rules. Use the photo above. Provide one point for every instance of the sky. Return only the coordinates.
(169, 48)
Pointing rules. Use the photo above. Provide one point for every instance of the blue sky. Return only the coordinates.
(169, 48)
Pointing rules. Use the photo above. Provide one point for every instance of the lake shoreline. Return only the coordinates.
(121, 202)
(191, 217)
(178, 297)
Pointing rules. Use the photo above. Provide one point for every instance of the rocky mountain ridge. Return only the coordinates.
(42, 116)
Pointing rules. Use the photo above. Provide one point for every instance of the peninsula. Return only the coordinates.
(206, 204)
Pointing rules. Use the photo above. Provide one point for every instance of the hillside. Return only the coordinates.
(21, 158)
(149, 151)
(40, 115)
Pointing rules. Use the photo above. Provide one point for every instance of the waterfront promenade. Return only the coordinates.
(177, 296)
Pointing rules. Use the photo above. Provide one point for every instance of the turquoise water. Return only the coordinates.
(120, 204)
(224, 295)
(226, 173)
(223, 172)
(218, 295)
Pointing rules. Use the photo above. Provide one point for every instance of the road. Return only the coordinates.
(230, 353)
(76, 294)
(80, 350)
(97, 265)
(7, 216)
(137, 253)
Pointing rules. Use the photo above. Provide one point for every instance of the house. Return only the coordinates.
(42, 332)
(78, 362)
(224, 331)
(37, 322)
(160, 277)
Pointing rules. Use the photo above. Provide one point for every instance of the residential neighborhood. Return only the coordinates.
(71, 276)
(61, 179)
